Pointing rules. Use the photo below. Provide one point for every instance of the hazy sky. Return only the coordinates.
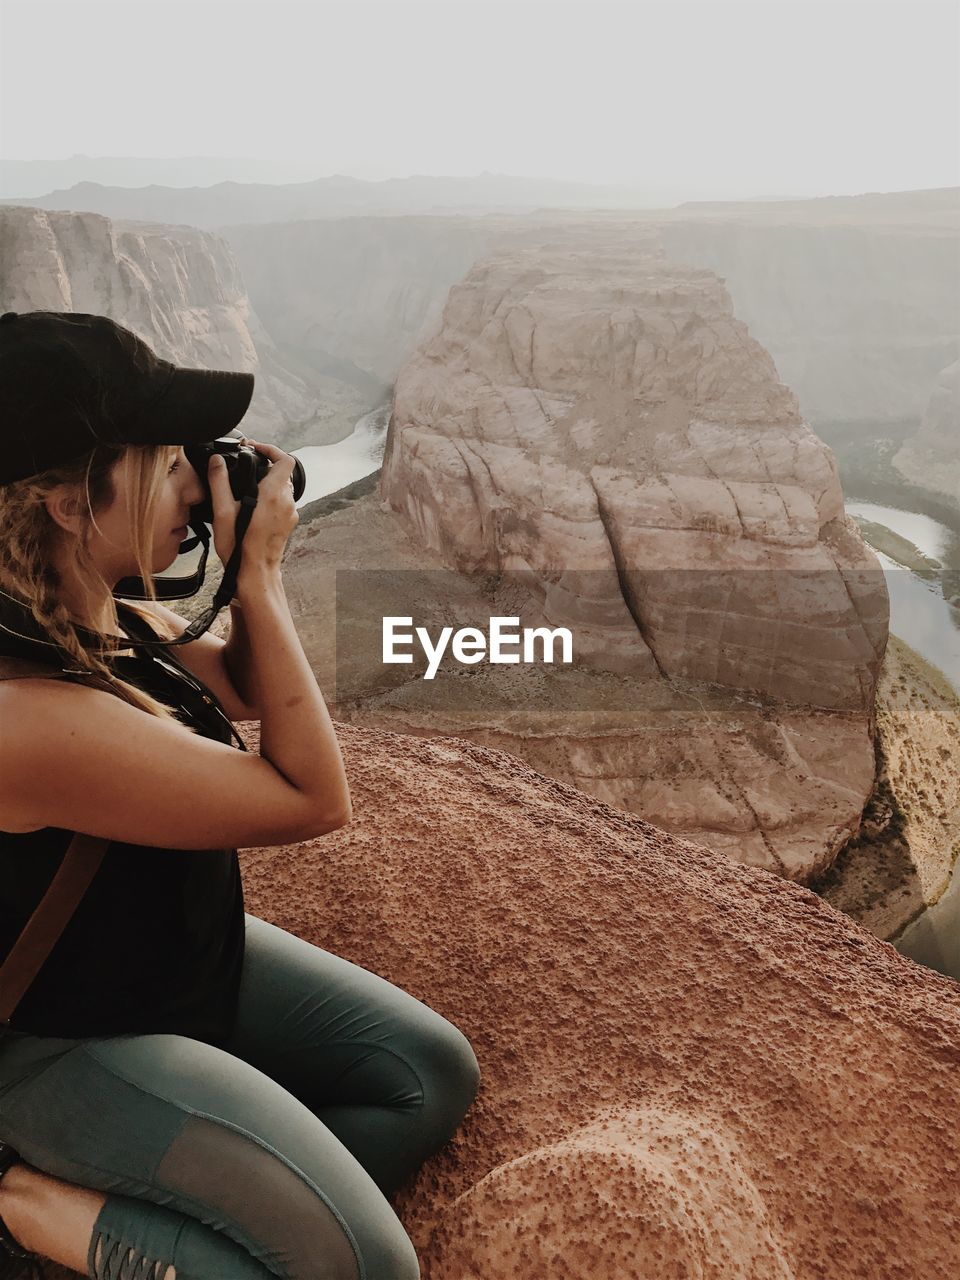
(741, 98)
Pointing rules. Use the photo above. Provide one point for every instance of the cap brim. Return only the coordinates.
(197, 405)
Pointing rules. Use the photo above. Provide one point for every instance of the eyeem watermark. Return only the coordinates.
(631, 638)
(471, 645)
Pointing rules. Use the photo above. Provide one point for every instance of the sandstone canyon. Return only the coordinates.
(931, 457)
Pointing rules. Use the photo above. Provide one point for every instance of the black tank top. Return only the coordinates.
(156, 944)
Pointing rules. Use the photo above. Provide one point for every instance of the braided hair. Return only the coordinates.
(29, 574)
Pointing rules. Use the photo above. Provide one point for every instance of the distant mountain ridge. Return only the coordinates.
(219, 199)
(18, 177)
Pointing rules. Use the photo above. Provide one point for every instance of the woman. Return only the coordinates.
(185, 1090)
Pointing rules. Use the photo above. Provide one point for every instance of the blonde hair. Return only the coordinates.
(28, 534)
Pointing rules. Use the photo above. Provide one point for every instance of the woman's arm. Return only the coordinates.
(169, 788)
(296, 733)
(237, 657)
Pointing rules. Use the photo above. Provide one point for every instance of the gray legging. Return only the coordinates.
(272, 1156)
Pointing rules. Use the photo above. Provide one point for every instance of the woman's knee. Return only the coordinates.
(449, 1072)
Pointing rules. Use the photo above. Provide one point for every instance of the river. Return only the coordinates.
(331, 466)
(919, 614)
(921, 617)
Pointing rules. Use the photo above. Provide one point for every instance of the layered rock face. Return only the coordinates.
(606, 426)
(609, 413)
(903, 857)
(178, 288)
(777, 786)
(689, 1068)
(931, 458)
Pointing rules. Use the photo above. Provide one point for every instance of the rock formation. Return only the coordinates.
(178, 288)
(689, 1068)
(830, 287)
(604, 425)
(905, 852)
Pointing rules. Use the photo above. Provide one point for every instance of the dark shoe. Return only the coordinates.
(15, 1263)
(25, 1268)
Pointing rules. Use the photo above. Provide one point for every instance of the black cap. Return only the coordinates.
(70, 381)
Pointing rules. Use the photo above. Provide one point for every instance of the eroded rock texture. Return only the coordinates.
(689, 1068)
(602, 422)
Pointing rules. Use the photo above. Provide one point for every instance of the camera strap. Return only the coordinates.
(224, 593)
(53, 912)
(50, 917)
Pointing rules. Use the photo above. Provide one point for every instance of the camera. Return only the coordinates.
(245, 469)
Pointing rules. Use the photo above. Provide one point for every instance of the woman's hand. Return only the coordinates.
(274, 517)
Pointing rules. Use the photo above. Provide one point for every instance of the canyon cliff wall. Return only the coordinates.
(931, 457)
(860, 319)
(178, 288)
(609, 413)
(357, 295)
(853, 298)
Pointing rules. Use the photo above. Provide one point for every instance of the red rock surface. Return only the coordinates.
(690, 1068)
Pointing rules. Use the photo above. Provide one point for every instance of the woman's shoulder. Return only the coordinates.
(33, 689)
(38, 717)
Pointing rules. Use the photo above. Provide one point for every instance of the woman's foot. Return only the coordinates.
(16, 1263)
(46, 1217)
